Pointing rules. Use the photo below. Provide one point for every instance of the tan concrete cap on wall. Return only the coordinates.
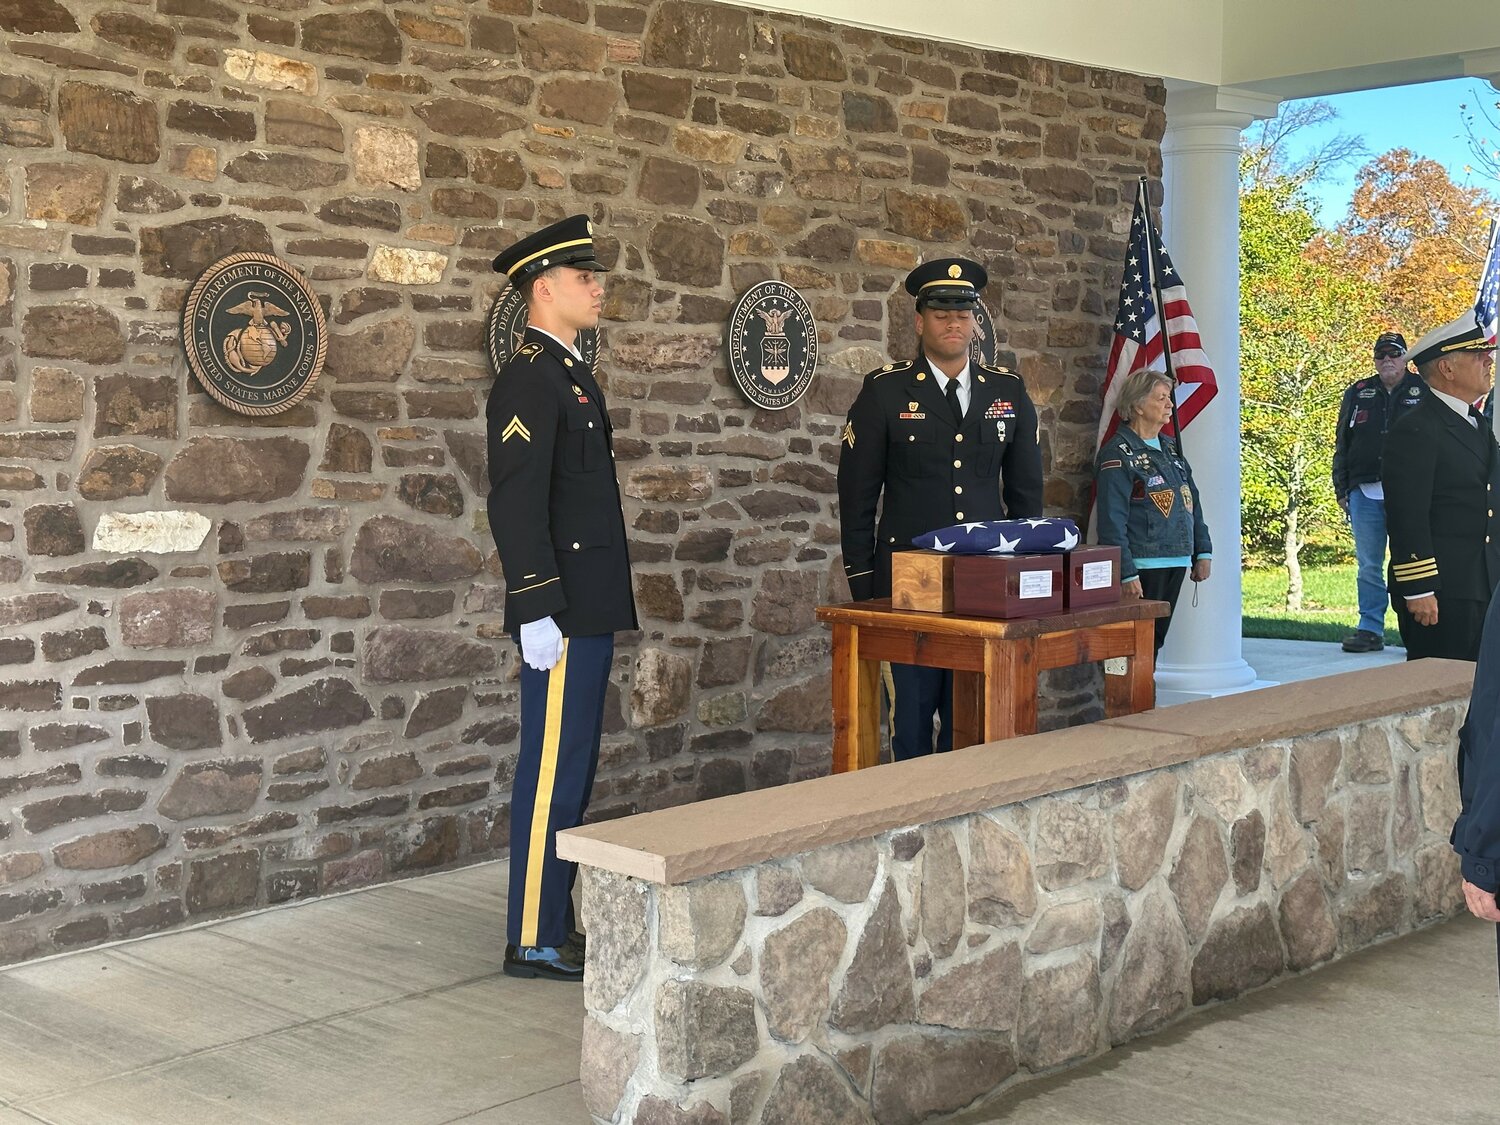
(693, 841)
(1253, 717)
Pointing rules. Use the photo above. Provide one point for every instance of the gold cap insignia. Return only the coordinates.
(955, 271)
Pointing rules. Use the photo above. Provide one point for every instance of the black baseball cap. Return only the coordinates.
(1390, 343)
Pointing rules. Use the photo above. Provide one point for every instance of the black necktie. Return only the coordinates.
(953, 403)
(1478, 417)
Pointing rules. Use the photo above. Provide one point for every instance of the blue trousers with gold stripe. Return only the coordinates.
(562, 717)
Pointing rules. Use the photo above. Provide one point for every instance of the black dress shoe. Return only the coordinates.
(1362, 640)
(541, 962)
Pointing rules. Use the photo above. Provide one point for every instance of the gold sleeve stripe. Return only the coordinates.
(1413, 567)
(537, 585)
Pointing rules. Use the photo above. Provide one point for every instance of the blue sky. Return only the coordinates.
(1424, 118)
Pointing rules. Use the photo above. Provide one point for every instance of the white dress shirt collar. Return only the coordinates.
(1457, 405)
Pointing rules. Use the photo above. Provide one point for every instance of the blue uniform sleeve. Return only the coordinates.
(523, 420)
(861, 477)
(1021, 484)
(1476, 833)
(1112, 486)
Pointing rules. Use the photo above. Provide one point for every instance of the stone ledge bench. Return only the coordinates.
(899, 943)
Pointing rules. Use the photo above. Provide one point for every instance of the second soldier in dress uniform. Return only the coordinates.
(1441, 472)
(930, 443)
(554, 509)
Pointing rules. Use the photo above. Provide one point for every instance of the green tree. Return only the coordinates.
(1304, 328)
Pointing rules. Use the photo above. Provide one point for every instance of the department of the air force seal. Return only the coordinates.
(772, 343)
(505, 328)
(254, 333)
(982, 346)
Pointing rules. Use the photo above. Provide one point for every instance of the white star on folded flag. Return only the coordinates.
(972, 526)
(939, 545)
(1005, 548)
(1069, 541)
(1038, 523)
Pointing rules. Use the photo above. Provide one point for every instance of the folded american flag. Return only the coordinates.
(1003, 537)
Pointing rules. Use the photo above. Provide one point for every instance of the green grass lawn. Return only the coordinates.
(1329, 605)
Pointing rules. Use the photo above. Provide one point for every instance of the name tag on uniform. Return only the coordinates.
(1368, 392)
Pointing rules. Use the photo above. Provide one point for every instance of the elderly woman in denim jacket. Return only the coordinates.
(1147, 503)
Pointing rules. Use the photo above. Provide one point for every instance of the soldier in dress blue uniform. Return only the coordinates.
(554, 509)
(1441, 472)
(930, 443)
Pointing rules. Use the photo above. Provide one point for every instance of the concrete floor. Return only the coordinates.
(1283, 662)
(387, 1007)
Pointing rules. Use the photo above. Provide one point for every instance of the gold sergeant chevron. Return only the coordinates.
(515, 429)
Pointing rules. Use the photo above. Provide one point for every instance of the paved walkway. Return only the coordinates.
(387, 1007)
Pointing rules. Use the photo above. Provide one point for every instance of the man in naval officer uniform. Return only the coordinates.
(554, 509)
(1441, 472)
(931, 443)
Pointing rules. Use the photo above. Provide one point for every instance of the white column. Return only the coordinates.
(1200, 225)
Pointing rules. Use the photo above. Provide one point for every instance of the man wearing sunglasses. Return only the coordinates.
(1369, 407)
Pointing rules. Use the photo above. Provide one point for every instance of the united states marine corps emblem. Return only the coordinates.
(772, 345)
(254, 333)
(505, 329)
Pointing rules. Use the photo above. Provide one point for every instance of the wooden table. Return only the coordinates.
(995, 665)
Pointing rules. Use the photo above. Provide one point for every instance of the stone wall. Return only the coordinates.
(248, 661)
(891, 979)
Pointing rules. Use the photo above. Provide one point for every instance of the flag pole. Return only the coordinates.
(1153, 243)
(1488, 254)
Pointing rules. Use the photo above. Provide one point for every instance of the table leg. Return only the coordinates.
(845, 698)
(1009, 688)
(867, 707)
(1135, 690)
(968, 720)
(856, 703)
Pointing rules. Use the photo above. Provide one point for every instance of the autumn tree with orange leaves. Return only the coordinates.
(1415, 236)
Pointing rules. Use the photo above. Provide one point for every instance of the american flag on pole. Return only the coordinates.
(1487, 305)
(1138, 327)
(1487, 310)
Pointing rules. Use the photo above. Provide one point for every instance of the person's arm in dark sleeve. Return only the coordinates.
(1341, 446)
(1476, 833)
(1021, 470)
(523, 418)
(1408, 480)
(861, 477)
(1112, 486)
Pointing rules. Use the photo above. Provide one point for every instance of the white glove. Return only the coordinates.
(541, 643)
